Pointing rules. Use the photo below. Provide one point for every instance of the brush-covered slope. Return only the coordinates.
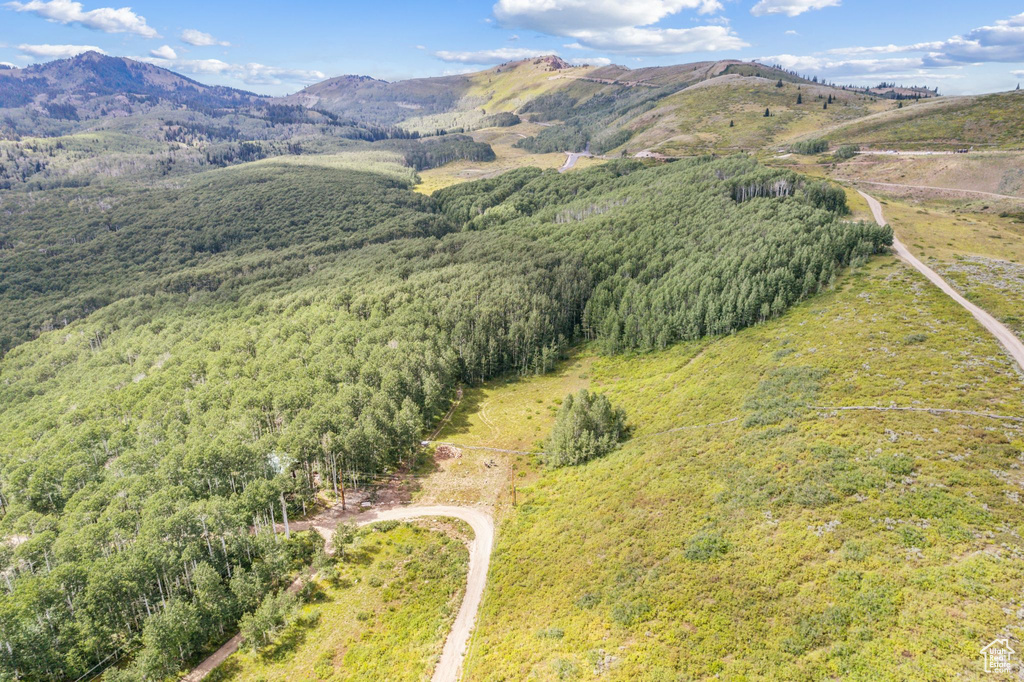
(728, 113)
(582, 103)
(748, 530)
(983, 122)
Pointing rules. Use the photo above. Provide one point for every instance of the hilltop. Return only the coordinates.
(82, 79)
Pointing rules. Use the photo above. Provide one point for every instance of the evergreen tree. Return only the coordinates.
(767, 113)
(799, 98)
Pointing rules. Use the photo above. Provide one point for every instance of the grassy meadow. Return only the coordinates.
(796, 542)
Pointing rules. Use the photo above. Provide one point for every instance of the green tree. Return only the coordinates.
(344, 535)
(274, 612)
(587, 426)
(170, 638)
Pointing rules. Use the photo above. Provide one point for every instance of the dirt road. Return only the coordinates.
(454, 651)
(934, 189)
(450, 664)
(1003, 335)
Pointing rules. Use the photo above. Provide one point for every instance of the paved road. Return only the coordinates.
(1003, 335)
(450, 665)
(573, 157)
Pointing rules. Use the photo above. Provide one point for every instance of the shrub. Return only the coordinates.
(825, 196)
(705, 546)
(587, 426)
(847, 151)
(259, 627)
(809, 147)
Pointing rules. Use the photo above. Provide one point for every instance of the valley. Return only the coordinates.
(281, 377)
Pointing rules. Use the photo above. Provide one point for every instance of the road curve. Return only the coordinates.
(450, 665)
(573, 157)
(1003, 335)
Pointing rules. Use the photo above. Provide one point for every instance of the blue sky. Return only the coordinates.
(278, 47)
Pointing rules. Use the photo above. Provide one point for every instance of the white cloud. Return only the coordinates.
(590, 61)
(106, 19)
(885, 49)
(251, 73)
(8, 64)
(502, 54)
(200, 39)
(57, 51)
(164, 52)
(792, 33)
(621, 27)
(661, 41)
(842, 67)
(790, 8)
(1002, 42)
(562, 17)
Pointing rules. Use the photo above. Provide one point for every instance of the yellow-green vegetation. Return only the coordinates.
(380, 162)
(997, 286)
(513, 413)
(507, 158)
(944, 230)
(979, 253)
(796, 542)
(697, 119)
(987, 121)
(508, 87)
(382, 613)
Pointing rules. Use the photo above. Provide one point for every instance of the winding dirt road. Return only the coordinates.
(1003, 335)
(450, 664)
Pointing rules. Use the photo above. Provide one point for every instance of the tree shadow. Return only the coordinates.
(291, 638)
(225, 671)
(459, 424)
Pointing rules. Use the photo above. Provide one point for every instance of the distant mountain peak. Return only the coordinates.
(555, 62)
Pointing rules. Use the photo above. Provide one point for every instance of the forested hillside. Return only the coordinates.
(250, 335)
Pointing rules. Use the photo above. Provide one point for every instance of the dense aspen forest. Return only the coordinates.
(209, 349)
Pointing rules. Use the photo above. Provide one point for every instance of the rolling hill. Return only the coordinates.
(982, 122)
(86, 79)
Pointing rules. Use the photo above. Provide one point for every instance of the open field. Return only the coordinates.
(793, 543)
(508, 158)
(382, 613)
(995, 173)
